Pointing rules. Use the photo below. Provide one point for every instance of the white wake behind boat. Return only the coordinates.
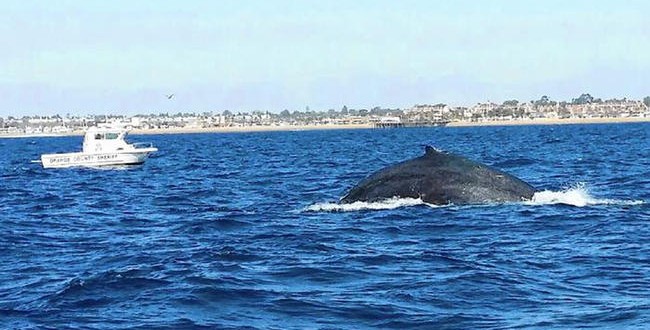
(102, 146)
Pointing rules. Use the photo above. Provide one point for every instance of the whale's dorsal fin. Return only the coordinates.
(429, 150)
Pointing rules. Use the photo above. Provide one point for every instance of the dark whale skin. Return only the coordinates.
(441, 178)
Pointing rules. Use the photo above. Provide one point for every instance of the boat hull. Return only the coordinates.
(96, 159)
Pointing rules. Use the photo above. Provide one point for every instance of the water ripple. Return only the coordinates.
(243, 231)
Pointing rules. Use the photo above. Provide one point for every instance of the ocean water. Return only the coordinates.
(242, 230)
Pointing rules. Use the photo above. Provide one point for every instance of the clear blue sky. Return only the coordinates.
(124, 56)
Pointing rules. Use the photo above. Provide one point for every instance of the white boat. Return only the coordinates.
(102, 146)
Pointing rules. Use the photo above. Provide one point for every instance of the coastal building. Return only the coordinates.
(427, 113)
(609, 109)
(482, 111)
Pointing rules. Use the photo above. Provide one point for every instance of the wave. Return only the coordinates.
(387, 204)
(577, 195)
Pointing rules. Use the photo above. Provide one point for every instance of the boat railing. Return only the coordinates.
(142, 145)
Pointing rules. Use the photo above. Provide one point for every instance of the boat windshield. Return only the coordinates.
(111, 136)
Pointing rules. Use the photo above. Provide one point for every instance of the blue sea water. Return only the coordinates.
(242, 230)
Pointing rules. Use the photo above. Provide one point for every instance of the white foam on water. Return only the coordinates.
(387, 204)
(577, 195)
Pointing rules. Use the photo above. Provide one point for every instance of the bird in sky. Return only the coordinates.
(169, 97)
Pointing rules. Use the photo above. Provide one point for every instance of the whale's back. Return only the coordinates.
(441, 178)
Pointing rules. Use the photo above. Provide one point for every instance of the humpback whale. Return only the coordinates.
(441, 178)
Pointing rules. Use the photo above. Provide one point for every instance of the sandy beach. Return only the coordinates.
(551, 121)
(243, 129)
(185, 130)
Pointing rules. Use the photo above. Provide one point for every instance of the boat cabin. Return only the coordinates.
(99, 140)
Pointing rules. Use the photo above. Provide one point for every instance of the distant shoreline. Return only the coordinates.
(244, 129)
(551, 121)
(185, 130)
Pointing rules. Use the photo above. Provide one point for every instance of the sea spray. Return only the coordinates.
(576, 195)
(387, 204)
